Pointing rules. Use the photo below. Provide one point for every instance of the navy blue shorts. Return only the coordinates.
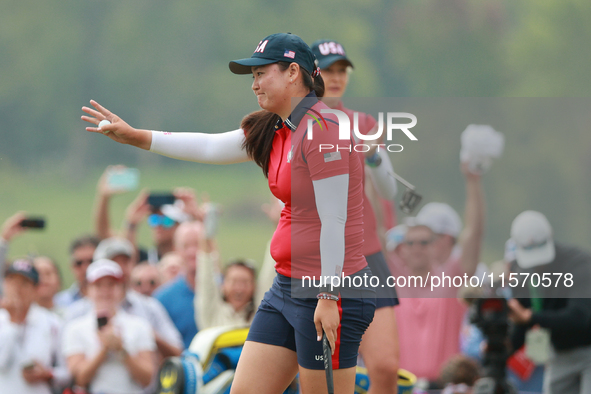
(385, 296)
(289, 322)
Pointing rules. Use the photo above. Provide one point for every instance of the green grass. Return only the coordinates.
(67, 206)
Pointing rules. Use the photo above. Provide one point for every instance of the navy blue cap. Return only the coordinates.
(278, 47)
(25, 268)
(328, 52)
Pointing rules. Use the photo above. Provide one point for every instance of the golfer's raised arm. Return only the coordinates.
(221, 148)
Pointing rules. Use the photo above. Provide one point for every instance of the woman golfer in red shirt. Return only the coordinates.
(379, 347)
(320, 233)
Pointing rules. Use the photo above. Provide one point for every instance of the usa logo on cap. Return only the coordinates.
(289, 54)
(22, 265)
(331, 48)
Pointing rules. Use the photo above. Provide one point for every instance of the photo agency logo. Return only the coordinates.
(364, 142)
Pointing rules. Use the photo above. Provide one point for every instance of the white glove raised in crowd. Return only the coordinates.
(480, 144)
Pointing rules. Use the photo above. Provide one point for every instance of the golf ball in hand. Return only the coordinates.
(104, 123)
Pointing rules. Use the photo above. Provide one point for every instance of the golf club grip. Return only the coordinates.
(327, 356)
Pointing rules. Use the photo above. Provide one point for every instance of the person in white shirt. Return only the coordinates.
(107, 349)
(30, 357)
(168, 339)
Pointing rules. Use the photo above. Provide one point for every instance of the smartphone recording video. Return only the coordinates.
(124, 179)
(102, 321)
(35, 223)
(156, 200)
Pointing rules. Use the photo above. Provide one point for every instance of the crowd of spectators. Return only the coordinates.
(130, 306)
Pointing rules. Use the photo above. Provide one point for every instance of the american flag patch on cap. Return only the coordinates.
(289, 54)
(332, 156)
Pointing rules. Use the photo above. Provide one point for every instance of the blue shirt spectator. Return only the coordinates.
(177, 298)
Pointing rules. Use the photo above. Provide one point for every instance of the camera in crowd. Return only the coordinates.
(491, 316)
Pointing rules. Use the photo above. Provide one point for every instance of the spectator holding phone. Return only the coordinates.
(121, 251)
(106, 189)
(109, 350)
(81, 252)
(30, 357)
(163, 211)
(11, 228)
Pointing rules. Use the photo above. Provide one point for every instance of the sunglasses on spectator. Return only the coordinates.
(152, 282)
(156, 220)
(422, 242)
(80, 263)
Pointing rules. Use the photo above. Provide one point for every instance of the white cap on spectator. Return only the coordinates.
(175, 211)
(533, 239)
(440, 218)
(111, 247)
(395, 236)
(102, 268)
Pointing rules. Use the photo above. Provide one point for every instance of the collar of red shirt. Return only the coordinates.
(298, 113)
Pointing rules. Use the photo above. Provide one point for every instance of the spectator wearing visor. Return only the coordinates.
(379, 347)
(552, 310)
(168, 340)
(109, 350)
(30, 350)
(320, 232)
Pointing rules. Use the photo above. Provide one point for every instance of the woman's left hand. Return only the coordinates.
(327, 319)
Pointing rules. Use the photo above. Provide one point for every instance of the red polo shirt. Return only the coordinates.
(295, 162)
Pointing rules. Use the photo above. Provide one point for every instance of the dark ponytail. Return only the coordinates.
(316, 84)
(259, 130)
(259, 126)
